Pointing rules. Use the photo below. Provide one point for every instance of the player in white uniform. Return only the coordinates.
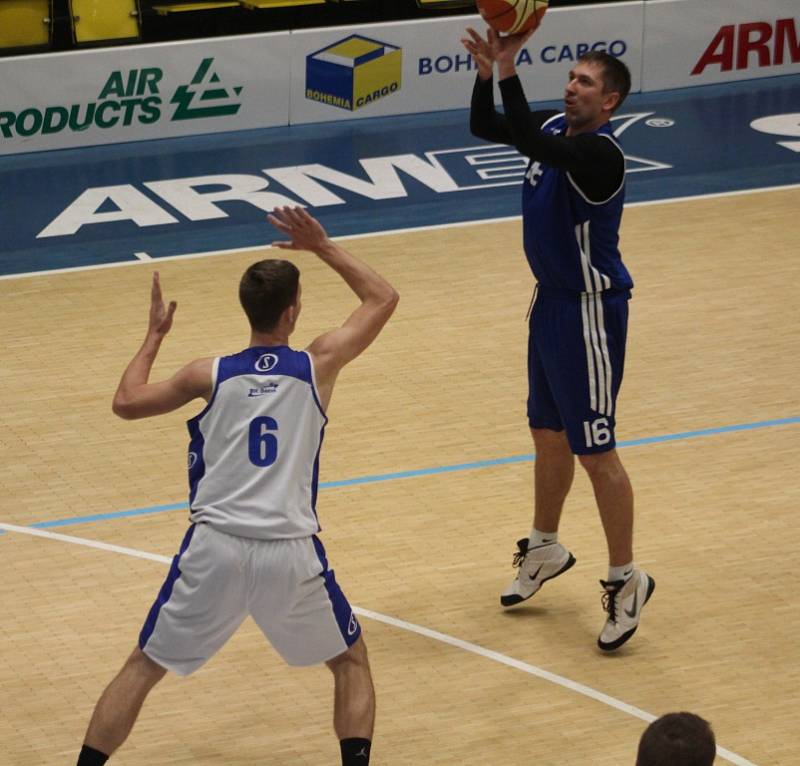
(252, 548)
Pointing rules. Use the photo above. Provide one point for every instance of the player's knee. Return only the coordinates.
(357, 653)
(600, 465)
(545, 439)
(141, 666)
(354, 657)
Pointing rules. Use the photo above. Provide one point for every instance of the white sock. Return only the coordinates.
(620, 573)
(538, 539)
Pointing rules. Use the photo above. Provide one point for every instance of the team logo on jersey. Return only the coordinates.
(352, 626)
(267, 388)
(533, 173)
(192, 460)
(266, 362)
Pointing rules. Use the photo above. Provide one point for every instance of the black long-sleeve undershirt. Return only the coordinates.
(595, 164)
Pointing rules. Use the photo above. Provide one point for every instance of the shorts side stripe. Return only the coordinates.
(342, 611)
(598, 356)
(601, 324)
(593, 328)
(589, 352)
(587, 283)
(166, 589)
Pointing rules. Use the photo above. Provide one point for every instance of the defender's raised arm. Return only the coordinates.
(136, 397)
(333, 350)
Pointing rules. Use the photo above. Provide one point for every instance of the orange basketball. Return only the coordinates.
(512, 16)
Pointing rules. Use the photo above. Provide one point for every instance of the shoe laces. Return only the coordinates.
(519, 556)
(611, 591)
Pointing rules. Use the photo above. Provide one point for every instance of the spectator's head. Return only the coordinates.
(677, 739)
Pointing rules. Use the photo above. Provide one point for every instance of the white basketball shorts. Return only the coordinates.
(216, 580)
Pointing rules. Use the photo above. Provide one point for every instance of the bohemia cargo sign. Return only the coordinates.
(773, 44)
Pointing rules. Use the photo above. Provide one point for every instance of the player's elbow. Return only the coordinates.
(123, 408)
(381, 306)
(390, 301)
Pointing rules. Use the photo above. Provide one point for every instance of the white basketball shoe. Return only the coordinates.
(624, 601)
(536, 566)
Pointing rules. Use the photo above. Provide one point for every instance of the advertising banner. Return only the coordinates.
(82, 98)
(691, 42)
(133, 93)
(419, 66)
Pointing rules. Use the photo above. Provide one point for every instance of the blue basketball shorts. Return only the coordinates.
(576, 356)
(216, 580)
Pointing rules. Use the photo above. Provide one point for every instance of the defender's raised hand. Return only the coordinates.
(305, 231)
(160, 316)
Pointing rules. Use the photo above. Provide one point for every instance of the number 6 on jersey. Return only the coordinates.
(263, 445)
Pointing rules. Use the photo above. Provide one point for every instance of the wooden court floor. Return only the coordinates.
(714, 343)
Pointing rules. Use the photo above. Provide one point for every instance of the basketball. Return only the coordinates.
(512, 16)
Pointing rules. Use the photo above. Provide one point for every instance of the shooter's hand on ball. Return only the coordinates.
(481, 51)
(502, 49)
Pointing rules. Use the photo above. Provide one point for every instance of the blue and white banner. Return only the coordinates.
(421, 66)
(133, 93)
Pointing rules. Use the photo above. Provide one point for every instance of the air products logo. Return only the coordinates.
(129, 98)
(353, 72)
(206, 85)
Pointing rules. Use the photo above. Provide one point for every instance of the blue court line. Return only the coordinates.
(436, 470)
(107, 516)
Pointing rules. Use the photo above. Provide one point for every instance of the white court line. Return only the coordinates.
(88, 543)
(144, 256)
(388, 232)
(467, 646)
(503, 659)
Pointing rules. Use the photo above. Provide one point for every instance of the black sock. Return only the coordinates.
(355, 751)
(91, 757)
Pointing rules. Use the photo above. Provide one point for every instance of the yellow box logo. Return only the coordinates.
(353, 72)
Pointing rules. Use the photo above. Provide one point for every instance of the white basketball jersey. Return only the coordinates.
(254, 449)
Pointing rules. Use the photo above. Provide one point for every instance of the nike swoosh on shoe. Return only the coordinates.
(536, 573)
(632, 613)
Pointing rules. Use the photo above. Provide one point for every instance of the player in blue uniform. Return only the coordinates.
(572, 200)
(252, 548)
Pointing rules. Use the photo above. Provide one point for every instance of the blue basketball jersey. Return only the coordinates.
(254, 449)
(571, 243)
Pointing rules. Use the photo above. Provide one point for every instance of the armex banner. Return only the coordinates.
(83, 98)
(699, 42)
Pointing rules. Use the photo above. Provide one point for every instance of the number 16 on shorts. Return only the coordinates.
(597, 432)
